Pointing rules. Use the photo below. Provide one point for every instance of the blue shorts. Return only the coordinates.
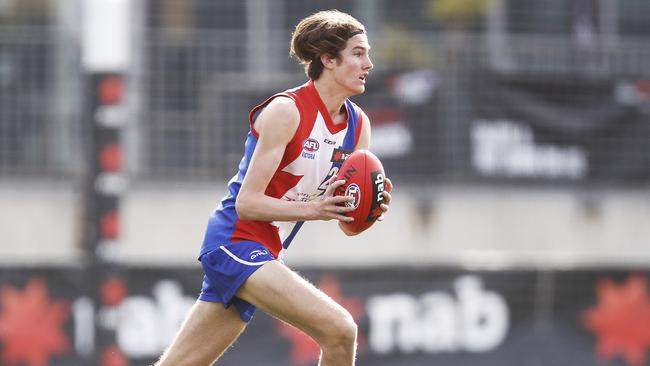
(225, 271)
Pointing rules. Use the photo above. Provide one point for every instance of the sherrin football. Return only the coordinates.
(365, 182)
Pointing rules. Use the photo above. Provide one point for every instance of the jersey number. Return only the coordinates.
(326, 182)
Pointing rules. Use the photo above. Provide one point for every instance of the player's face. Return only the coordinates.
(354, 64)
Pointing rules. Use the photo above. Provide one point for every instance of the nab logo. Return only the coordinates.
(378, 194)
(339, 155)
(310, 145)
(353, 191)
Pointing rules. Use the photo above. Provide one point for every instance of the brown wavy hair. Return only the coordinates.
(322, 33)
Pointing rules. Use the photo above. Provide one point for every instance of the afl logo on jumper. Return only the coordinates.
(309, 147)
(353, 191)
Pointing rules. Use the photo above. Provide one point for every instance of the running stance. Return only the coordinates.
(298, 139)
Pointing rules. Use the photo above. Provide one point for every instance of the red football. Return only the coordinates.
(365, 181)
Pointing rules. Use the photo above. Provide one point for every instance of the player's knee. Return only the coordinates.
(342, 331)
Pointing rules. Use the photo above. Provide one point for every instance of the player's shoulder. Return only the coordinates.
(283, 106)
(281, 112)
(284, 101)
(365, 119)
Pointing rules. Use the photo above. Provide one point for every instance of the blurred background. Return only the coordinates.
(516, 132)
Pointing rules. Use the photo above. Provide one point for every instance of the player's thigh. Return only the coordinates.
(206, 333)
(282, 293)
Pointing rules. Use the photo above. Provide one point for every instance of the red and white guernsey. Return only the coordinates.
(312, 157)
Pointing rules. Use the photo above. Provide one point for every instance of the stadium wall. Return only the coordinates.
(465, 226)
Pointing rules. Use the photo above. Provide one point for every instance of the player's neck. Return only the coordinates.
(333, 98)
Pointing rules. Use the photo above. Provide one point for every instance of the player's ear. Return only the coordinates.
(328, 61)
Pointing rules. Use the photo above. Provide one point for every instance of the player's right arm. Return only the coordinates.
(276, 125)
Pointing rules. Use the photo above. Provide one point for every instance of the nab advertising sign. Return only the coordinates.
(406, 317)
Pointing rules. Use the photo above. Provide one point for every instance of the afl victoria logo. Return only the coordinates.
(353, 191)
(310, 145)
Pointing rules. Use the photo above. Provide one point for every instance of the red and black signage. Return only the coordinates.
(105, 183)
(406, 317)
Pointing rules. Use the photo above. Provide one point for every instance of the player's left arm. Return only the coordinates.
(364, 143)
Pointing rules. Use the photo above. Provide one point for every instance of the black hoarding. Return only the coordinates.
(552, 128)
(406, 317)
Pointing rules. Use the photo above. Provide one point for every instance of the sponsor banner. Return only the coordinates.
(405, 317)
(545, 128)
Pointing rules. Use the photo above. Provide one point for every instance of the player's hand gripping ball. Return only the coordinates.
(365, 181)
